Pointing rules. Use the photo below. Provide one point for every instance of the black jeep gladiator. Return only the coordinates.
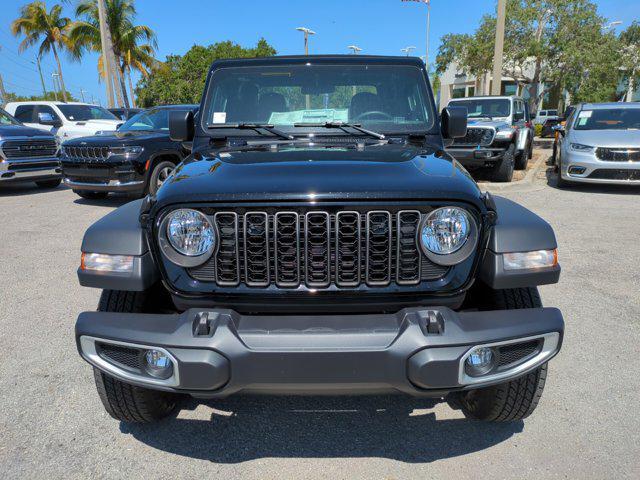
(319, 240)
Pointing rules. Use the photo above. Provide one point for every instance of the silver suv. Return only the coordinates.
(499, 135)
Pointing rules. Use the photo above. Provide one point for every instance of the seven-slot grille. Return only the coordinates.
(476, 136)
(317, 249)
(618, 154)
(97, 153)
(29, 148)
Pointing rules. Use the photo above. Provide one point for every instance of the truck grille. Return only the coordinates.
(618, 154)
(29, 148)
(317, 249)
(476, 136)
(98, 153)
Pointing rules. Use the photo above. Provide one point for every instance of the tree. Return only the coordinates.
(630, 40)
(180, 79)
(49, 29)
(560, 42)
(50, 96)
(133, 45)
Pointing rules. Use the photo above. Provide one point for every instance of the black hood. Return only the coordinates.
(8, 131)
(119, 138)
(319, 173)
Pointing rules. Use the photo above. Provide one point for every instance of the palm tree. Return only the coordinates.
(126, 37)
(49, 29)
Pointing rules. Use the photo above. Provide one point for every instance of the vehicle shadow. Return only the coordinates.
(552, 181)
(26, 188)
(244, 428)
(113, 200)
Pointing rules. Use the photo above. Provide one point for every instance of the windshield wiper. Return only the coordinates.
(342, 126)
(254, 126)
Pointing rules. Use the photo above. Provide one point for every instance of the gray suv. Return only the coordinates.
(499, 136)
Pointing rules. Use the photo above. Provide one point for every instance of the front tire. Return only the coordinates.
(562, 183)
(523, 159)
(516, 399)
(503, 172)
(54, 183)
(125, 402)
(159, 174)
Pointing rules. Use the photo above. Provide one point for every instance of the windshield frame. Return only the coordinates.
(12, 119)
(433, 128)
(85, 105)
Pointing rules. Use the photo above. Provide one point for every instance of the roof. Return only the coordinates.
(608, 105)
(320, 59)
(47, 102)
(486, 96)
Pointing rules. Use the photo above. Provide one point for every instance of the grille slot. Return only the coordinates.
(476, 136)
(29, 148)
(317, 249)
(98, 153)
(127, 356)
(618, 154)
(516, 352)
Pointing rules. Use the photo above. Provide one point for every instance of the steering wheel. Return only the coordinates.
(373, 113)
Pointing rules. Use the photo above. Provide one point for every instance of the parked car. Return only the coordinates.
(548, 127)
(65, 120)
(600, 143)
(556, 136)
(27, 154)
(125, 113)
(499, 136)
(319, 240)
(136, 159)
(543, 115)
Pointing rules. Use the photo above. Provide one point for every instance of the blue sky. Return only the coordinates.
(377, 26)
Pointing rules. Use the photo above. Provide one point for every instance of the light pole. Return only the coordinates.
(307, 32)
(407, 50)
(354, 49)
(54, 77)
(428, 3)
(496, 85)
(611, 25)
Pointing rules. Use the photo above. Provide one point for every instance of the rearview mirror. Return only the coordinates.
(453, 122)
(181, 125)
(45, 118)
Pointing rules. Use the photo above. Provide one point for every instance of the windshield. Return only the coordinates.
(383, 98)
(6, 119)
(149, 120)
(485, 107)
(82, 113)
(608, 119)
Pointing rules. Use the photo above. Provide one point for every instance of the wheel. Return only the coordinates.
(554, 156)
(49, 183)
(159, 174)
(125, 402)
(531, 150)
(514, 400)
(523, 159)
(503, 172)
(91, 195)
(562, 183)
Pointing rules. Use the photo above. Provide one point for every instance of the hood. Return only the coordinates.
(316, 173)
(606, 138)
(496, 123)
(119, 138)
(8, 131)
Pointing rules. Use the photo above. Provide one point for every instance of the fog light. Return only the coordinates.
(480, 361)
(158, 364)
(576, 170)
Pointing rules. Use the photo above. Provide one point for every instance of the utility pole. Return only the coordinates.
(3, 93)
(37, 63)
(426, 61)
(82, 94)
(306, 32)
(496, 85)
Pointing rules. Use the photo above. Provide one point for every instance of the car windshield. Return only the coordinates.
(6, 119)
(608, 119)
(149, 120)
(82, 113)
(552, 113)
(485, 107)
(385, 98)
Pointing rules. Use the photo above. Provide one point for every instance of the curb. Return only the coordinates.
(527, 180)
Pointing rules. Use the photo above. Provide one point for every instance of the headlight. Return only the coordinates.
(505, 134)
(487, 137)
(130, 151)
(578, 147)
(448, 235)
(187, 237)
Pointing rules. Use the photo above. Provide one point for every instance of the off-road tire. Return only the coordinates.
(158, 169)
(523, 159)
(514, 400)
(89, 195)
(503, 171)
(125, 402)
(49, 183)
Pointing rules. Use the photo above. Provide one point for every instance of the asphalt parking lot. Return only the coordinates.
(587, 425)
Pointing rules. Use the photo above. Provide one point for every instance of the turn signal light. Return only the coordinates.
(529, 260)
(100, 262)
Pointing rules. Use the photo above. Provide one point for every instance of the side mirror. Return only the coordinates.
(45, 118)
(181, 125)
(559, 128)
(453, 122)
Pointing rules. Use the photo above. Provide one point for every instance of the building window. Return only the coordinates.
(458, 92)
(471, 91)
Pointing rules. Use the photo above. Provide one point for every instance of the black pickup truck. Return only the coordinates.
(319, 240)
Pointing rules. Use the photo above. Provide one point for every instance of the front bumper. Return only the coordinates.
(103, 177)
(477, 156)
(418, 351)
(585, 167)
(29, 169)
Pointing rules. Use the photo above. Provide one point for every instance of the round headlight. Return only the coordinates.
(190, 232)
(448, 235)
